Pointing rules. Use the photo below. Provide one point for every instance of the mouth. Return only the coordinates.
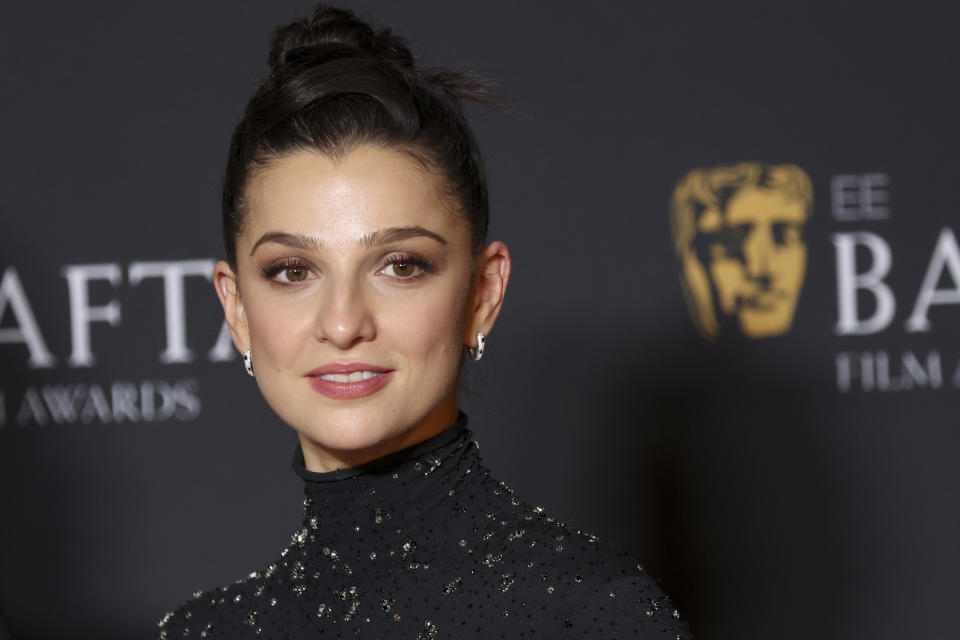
(764, 302)
(355, 376)
(343, 381)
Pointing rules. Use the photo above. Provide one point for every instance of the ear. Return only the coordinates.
(489, 287)
(228, 290)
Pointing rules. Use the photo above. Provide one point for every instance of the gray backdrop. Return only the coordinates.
(797, 486)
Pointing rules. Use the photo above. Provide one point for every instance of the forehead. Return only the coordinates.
(341, 200)
(755, 204)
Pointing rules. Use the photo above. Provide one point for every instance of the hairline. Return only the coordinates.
(264, 160)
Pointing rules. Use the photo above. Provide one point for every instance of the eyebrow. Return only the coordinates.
(296, 241)
(395, 234)
(373, 239)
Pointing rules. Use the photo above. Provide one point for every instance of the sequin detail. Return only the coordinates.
(426, 544)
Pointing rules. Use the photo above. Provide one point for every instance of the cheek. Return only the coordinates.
(278, 330)
(727, 274)
(428, 327)
(791, 265)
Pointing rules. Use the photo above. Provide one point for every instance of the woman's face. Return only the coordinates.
(356, 290)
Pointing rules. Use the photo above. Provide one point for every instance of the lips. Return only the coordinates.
(761, 301)
(345, 380)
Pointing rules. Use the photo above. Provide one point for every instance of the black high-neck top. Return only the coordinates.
(424, 544)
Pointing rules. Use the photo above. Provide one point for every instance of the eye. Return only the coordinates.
(288, 272)
(728, 242)
(293, 274)
(406, 267)
(402, 269)
(786, 234)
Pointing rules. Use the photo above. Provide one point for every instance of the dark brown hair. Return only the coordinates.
(335, 83)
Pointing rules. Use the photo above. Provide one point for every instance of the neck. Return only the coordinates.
(321, 459)
(409, 481)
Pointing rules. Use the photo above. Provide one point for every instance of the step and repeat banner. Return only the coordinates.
(731, 344)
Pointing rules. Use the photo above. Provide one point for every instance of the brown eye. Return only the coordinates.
(295, 274)
(403, 269)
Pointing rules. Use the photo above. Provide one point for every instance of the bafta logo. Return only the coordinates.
(738, 231)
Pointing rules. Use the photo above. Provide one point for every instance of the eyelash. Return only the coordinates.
(272, 270)
(425, 265)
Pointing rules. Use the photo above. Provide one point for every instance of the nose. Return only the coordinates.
(758, 251)
(345, 317)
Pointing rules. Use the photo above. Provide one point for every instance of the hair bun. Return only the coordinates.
(330, 29)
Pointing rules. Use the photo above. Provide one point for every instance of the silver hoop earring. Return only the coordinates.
(248, 362)
(477, 353)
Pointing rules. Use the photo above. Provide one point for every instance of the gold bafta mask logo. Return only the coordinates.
(738, 231)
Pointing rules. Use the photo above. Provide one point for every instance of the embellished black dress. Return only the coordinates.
(422, 544)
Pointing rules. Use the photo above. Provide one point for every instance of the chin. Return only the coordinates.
(349, 430)
(764, 324)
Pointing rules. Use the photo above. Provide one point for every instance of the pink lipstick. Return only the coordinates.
(344, 380)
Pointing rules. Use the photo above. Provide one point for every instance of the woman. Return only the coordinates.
(355, 211)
